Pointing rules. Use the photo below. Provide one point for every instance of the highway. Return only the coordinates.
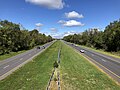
(11, 64)
(108, 64)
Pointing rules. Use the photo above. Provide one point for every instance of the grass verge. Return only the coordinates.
(113, 54)
(11, 54)
(35, 74)
(78, 74)
(2, 57)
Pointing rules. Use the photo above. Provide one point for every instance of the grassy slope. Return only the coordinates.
(34, 75)
(2, 57)
(113, 54)
(11, 54)
(78, 74)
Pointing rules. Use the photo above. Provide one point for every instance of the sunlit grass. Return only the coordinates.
(76, 72)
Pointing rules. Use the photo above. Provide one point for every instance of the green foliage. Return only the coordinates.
(55, 79)
(14, 39)
(112, 36)
(108, 40)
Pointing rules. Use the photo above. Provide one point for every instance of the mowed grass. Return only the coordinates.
(78, 74)
(35, 74)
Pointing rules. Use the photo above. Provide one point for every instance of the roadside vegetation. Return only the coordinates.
(113, 54)
(5, 56)
(14, 38)
(11, 54)
(35, 74)
(78, 74)
(107, 40)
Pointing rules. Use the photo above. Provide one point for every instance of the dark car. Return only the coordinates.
(43, 47)
(38, 47)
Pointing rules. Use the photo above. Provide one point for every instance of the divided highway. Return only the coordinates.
(11, 64)
(108, 64)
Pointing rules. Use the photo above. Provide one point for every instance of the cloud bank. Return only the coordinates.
(73, 14)
(38, 24)
(51, 4)
(70, 23)
(53, 30)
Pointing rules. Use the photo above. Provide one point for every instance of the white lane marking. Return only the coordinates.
(104, 60)
(29, 54)
(21, 59)
(92, 54)
(6, 66)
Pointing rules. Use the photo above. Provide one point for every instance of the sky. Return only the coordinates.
(59, 18)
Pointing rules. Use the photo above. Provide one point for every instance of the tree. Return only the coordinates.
(109, 39)
(55, 65)
(112, 36)
(14, 39)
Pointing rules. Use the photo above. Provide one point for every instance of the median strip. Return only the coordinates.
(54, 81)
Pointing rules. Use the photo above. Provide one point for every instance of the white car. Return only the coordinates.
(82, 51)
(76, 45)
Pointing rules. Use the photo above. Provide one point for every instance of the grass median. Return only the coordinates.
(35, 74)
(78, 74)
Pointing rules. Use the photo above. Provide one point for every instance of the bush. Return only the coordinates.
(55, 64)
(55, 79)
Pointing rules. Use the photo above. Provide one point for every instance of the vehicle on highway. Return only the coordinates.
(76, 45)
(38, 47)
(43, 47)
(82, 51)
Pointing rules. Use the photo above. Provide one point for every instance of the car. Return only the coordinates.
(38, 47)
(76, 45)
(82, 51)
(43, 47)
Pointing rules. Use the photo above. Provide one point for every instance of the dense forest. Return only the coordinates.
(14, 39)
(109, 39)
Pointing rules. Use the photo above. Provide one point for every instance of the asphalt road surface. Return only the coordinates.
(108, 64)
(11, 64)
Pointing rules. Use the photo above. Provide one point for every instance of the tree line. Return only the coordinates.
(109, 39)
(12, 39)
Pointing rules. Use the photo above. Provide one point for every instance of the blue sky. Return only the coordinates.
(60, 17)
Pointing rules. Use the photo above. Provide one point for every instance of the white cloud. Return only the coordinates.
(70, 23)
(52, 4)
(39, 24)
(54, 30)
(69, 33)
(73, 14)
(61, 35)
(61, 21)
(56, 35)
